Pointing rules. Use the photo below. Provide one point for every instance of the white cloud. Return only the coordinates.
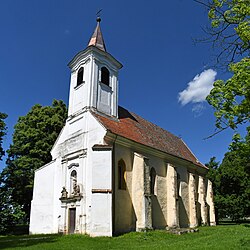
(198, 89)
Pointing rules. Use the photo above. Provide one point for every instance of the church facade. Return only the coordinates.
(111, 170)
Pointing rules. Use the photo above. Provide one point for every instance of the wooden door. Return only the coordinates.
(72, 220)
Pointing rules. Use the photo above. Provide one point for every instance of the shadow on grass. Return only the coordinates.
(16, 230)
(227, 222)
(26, 240)
(246, 225)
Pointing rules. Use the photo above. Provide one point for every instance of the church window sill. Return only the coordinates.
(80, 85)
(105, 86)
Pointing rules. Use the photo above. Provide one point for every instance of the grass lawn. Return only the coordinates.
(219, 237)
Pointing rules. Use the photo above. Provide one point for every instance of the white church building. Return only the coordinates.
(113, 171)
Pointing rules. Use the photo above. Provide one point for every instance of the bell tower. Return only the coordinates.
(94, 78)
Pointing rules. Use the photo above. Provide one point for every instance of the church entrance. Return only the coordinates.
(72, 220)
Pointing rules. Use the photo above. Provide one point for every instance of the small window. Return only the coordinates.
(152, 181)
(80, 76)
(121, 175)
(105, 76)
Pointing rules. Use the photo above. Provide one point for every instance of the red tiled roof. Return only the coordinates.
(135, 128)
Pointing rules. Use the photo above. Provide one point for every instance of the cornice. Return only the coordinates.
(74, 155)
(145, 150)
(79, 62)
(93, 50)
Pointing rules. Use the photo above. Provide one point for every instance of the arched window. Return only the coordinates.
(73, 181)
(80, 76)
(105, 76)
(121, 175)
(152, 181)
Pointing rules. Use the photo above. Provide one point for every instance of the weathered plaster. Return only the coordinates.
(172, 198)
(210, 203)
(202, 200)
(192, 201)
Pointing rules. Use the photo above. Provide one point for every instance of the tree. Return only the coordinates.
(11, 213)
(229, 33)
(231, 98)
(212, 175)
(232, 180)
(229, 30)
(2, 132)
(33, 138)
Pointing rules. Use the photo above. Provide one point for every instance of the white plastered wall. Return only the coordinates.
(42, 206)
(74, 145)
(93, 93)
(101, 204)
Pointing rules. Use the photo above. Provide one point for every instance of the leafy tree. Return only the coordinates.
(11, 213)
(229, 33)
(229, 30)
(33, 138)
(232, 180)
(212, 165)
(2, 132)
(231, 98)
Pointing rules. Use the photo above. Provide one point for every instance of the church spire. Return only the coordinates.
(97, 39)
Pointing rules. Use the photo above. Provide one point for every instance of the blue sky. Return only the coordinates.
(154, 42)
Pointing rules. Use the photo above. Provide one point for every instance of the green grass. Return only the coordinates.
(219, 237)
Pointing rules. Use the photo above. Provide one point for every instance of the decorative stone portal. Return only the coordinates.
(70, 210)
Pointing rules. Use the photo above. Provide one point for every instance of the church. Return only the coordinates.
(112, 171)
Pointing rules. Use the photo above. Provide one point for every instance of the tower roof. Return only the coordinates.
(97, 38)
